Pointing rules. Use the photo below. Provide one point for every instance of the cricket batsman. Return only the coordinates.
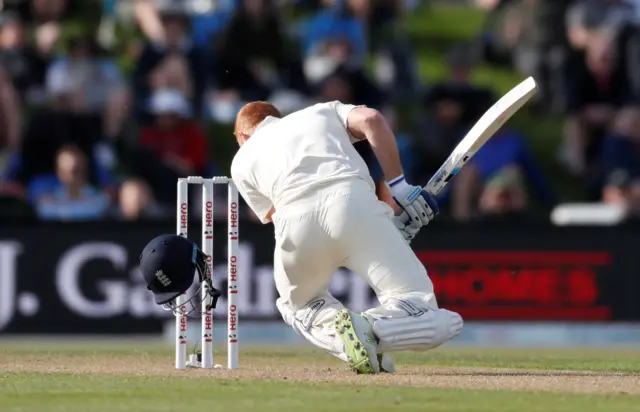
(302, 173)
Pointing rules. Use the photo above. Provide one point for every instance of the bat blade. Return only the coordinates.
(481, 132)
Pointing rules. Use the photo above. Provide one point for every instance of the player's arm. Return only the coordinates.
(367, 123)
(259, 204)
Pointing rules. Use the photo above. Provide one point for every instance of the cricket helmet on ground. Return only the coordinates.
(169, 264)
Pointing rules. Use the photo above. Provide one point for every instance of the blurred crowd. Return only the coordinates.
(585, 55)
(98, 123)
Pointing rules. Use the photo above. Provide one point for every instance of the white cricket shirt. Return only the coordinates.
(286, 158)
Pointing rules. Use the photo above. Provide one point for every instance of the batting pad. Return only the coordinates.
(315, 323)
(409, 324)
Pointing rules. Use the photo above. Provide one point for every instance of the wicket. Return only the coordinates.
(207, 247)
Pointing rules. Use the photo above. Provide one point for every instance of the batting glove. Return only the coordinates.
(419, 205)
(407, 230)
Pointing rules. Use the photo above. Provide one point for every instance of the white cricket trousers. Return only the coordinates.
(342, 225)
(345, 225)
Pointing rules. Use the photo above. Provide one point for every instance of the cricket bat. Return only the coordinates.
(487, 126)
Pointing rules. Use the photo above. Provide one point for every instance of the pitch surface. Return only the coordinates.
(105, 376)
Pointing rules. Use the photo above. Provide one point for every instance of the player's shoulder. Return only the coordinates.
(333, 105)
(237, 165)
(241, 158)
(328, 110)
(314, 108)
(253, 149)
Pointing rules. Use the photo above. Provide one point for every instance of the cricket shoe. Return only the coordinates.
(360, 345)
(387, 365)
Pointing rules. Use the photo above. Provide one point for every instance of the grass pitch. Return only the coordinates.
(104, 377)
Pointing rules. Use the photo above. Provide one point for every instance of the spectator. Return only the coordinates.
(289, 101)
(406, 148)
(12, 193)
(76, 88)
(137, 202)
(534, 33)
(350, 84)
(210, 18)
(490, 45)
(633, 202)
(147, 16)
(488, 4)
(395, 67)
(74, 198)
(604, 86)
(336, 87)
(207, 26)
(173, 145)
(334, 39)
(587, 19)
(25, 66)
(450, 109)
(615, 21)
(616, 188)
(106, 32)
(170, 63)
(620, 157)
(506, 149)
(43, 18)
(599, 90)
(337, 21)
(504, 198)
(95, 81)
(325, 60)
(10, 118)
(252, 57)
(622, 191)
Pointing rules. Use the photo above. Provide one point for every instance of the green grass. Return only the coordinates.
(544, 359)
(90, 376)
(70, 393)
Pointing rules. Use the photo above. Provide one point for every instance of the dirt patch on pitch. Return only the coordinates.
(279, 369)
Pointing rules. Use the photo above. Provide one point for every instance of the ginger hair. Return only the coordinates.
(252, 114)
